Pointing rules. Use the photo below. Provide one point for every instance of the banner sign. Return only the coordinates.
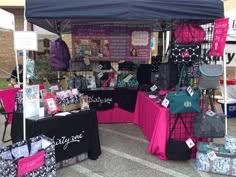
(221, 27)
(111, 43)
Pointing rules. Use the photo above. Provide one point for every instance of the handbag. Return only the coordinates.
(168, 76)
(209, 124)
(181, 101)
(177, 149)
(31, 157)
(210, 76)
(185, 53)
(188, 33)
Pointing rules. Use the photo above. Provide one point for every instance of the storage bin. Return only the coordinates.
(231, 107)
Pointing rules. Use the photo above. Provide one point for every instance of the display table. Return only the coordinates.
(153, 119)
(73, 134)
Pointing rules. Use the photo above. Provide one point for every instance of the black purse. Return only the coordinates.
(168, 76)
(177, 149)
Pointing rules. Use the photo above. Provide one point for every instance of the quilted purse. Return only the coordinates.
(185, 53)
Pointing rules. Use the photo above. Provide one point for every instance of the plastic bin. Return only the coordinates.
(231, 107)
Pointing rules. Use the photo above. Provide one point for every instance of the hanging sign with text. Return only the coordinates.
(25, 40)
(111, 43)
(221, 27)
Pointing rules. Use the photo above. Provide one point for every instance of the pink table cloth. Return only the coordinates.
(154, 121)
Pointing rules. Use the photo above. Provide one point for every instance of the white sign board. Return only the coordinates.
(232, 24)
(25, 40)
(7, 21)
(31, 101)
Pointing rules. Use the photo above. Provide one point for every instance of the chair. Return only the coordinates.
(7, 102)
(6, 115)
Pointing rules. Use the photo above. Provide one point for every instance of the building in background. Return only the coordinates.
(7, 54)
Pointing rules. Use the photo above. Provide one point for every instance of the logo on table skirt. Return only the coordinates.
(99, 100)
(65, 141)
(187, 104)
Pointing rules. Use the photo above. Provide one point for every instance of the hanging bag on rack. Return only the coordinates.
(189, 33)
(181, 101)
(209, 124)
(59, 55)
(186, 53)
(186, 49)
(177, 149)
(210, 76)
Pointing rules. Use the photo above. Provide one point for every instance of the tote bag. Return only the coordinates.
(32, 157)
(181, 101)
(177, 149)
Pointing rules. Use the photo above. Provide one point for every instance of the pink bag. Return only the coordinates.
(189, 33)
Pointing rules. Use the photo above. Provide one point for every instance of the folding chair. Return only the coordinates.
(6, 115)
(7, 102)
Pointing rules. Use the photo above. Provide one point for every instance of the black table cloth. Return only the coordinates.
(73, 134)
(105, 99)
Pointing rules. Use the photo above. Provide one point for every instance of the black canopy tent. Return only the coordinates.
(60, 15)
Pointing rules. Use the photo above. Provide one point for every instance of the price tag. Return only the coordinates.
(165, 102)
(210, 113)
(54, 87)
(99, 68)
(100, 55)
(153, 88)
(190, 143)
(190, 91)
(100, 75)
(60, 94)
(212, 155)
(127, 78)
(86, 61)
(75, 91)
(68, 93)
(51, 104)
(87, 52)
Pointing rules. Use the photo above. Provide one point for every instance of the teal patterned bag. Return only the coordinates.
(224, 162)
(181, 101)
